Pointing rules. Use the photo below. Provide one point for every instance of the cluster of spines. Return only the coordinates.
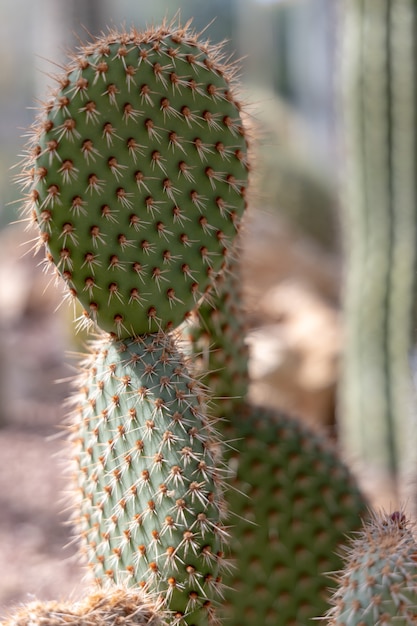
(115, 605)
(139, 169)
(149, 473)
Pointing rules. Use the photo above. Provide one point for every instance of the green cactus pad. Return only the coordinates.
(291, 503)
(149, 475)
(379, 582)
(138, 174)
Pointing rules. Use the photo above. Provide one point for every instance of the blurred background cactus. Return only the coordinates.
(378, 76)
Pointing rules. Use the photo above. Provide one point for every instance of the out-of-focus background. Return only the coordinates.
(292, 246)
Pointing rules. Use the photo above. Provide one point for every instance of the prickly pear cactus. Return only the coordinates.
(378, 584)
(138, 175)
(150, 475)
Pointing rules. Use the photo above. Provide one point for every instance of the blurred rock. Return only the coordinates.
(294, 356)
(291, 289)
(33, 337)
(273, 251)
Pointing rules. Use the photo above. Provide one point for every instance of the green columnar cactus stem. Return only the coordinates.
(138, 174)
(220, 352)
(150, 475)
(291, 499)
(378, 584)
(380, 87)
(116, 605)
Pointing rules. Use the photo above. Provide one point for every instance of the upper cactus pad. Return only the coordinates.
(137, 175)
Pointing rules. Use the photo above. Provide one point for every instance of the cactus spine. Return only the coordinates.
(379, 81)
(378, 583)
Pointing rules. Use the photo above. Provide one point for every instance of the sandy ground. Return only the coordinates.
(37, 558)
(34, 559)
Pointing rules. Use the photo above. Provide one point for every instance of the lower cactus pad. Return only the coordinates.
(149, 475)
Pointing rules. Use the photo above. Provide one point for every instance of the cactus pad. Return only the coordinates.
(291, 503)
(137, 171)
(149, 475)
(291, 500)
(378, 584)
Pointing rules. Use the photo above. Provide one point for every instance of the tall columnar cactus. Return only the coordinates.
(378, 584)
(138, 174)
(379, 197)
(291, 499)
